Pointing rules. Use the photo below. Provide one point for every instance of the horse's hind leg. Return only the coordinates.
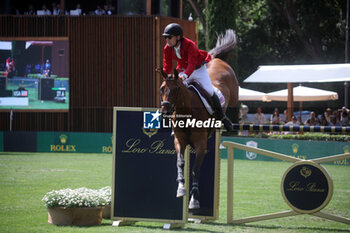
(200, 149)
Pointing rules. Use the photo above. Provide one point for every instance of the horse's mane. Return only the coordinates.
(224, 45)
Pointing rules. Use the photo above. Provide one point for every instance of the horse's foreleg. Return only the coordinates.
(180, 164)
(200, 153)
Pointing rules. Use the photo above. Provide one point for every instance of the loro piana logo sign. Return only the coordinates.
(307, 187)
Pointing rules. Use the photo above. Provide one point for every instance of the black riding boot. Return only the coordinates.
(227, 123)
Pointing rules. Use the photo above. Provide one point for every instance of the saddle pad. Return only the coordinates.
(204, 101)
(220, 95)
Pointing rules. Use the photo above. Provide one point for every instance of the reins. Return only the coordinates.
(172, 105)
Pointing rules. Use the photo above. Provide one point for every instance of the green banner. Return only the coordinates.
(296, 148)
(73, 142)
(1, 141)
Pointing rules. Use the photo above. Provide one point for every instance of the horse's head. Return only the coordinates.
(169, 92)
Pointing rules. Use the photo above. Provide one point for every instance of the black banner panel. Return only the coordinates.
(145, 171)
(20, 141)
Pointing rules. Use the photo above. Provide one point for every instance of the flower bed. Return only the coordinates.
(80, 206)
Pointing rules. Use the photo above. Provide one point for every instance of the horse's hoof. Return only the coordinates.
(181, 190)
(194, 204)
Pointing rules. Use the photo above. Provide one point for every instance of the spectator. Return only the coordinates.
(61, 10)
(259, 117)
(243, 118)
(328, 115)
(107, 9)
(323, 121)
(30, 11)
(243, 114)
(293, 122)
(344, 116)
(99, 11)
(285, 114)
(275, 118)
(45, 10)
(10, 65)
(55, 10)
(312, 120)
(47, 68)
(334, 122)
(111, 8)
(335, 119)
(300, 121)
(78, 9)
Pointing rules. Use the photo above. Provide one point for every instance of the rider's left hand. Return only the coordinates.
(183, 76)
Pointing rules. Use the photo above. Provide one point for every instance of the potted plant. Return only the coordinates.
(81, 207)
(106, 193)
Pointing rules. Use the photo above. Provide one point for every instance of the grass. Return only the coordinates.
(26, 177)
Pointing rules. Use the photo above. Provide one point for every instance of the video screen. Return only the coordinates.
(34, 74)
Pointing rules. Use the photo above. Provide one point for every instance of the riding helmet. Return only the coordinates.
(173, 29)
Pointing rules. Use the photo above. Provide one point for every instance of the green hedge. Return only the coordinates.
(51, 76)
(312, 137)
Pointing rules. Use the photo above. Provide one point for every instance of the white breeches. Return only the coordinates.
(202, 77)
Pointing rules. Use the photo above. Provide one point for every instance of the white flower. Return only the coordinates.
(81, 197)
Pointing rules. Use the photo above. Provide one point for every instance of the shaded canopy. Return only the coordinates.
(302, 94)
(250, 95)
(300, 73)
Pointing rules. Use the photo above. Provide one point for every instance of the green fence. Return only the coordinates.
(71, 142)
(74, 142)
(1, 141)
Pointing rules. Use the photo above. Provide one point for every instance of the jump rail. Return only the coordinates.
(314, 164)
(301, 128)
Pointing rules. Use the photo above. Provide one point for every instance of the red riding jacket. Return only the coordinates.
(191, 57)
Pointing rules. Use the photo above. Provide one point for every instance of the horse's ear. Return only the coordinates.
(176, 74)
(161, 71)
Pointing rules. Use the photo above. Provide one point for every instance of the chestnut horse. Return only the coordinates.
(177, 100)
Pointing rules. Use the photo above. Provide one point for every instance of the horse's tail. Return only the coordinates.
(224, 45)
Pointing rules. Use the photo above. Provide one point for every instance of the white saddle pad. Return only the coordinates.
(205, 102)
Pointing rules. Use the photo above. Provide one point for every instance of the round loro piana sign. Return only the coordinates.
(307, 187)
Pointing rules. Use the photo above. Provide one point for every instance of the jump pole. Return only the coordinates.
(300, 169)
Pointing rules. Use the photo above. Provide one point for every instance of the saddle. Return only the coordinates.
(205, 97)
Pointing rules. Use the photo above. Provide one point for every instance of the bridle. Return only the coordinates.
(167, 104)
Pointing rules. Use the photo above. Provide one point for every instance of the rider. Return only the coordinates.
(190, 64)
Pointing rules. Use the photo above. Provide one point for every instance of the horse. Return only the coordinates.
(179, 100)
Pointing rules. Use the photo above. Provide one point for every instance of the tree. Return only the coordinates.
(289, 32)
(315, 23)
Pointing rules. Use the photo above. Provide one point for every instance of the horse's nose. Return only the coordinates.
(166, 107)
(163, 110)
